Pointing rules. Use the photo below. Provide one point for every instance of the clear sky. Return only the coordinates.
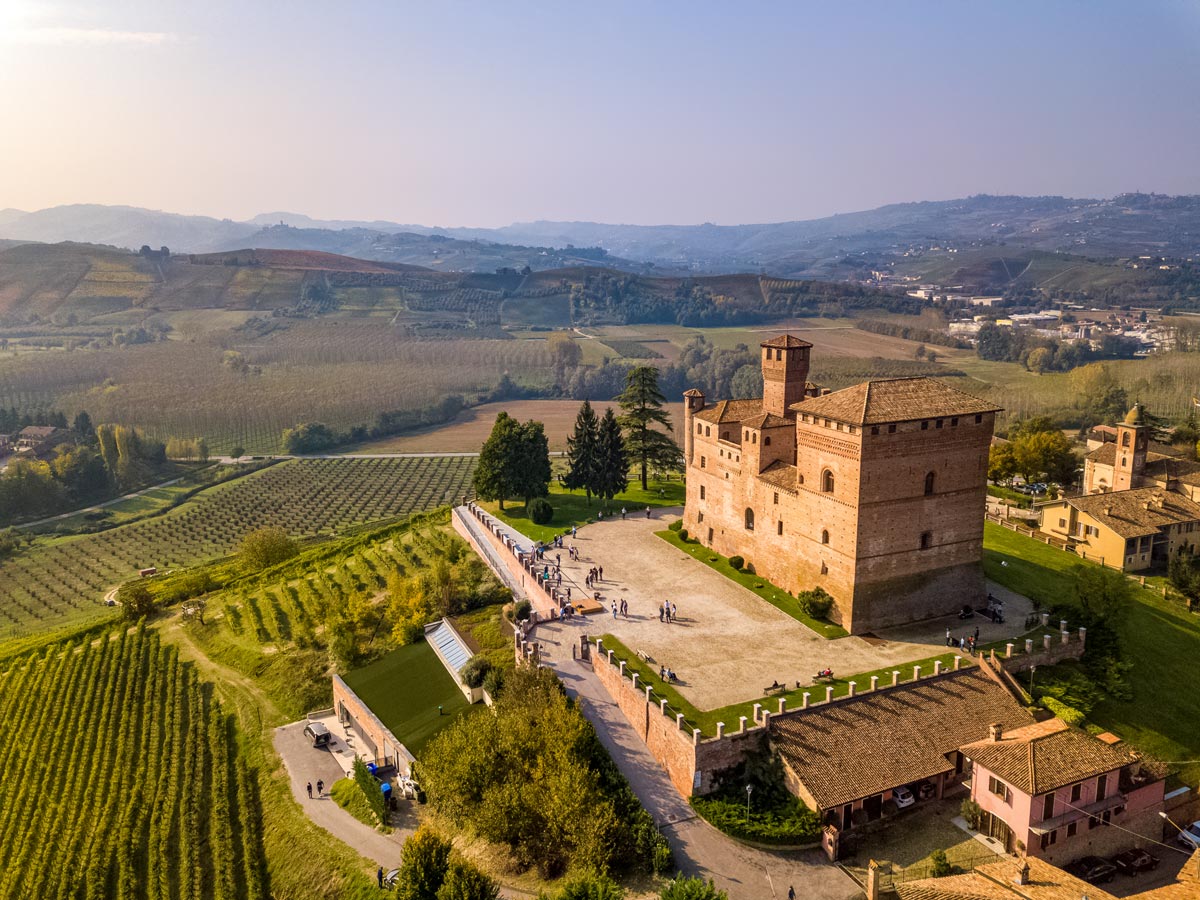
(484, 113)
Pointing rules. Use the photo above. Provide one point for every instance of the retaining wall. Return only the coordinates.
(352, 711)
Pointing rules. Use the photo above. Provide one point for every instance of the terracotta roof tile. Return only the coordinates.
(730, 411)
(1046, 756)
(1137, 512)
(781, 475)
(873, 742)
(785, 340)
(894, 400)
(768, 420)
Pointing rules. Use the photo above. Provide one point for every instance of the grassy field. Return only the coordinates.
(1159, 637)
(411, 691)
(573, 508)
(59, 581)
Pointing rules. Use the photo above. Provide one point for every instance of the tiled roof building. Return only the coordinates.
(874, 493)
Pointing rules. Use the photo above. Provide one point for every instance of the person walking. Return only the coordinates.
(379, 877)
(600, 573)
(949, 640)
(614, 609)
(622, 514)
(308, 787)
(320, 788)
(791, 893)
(976, 634)
(574, 531)
(647, 512)
(660, 614)
(674, 611)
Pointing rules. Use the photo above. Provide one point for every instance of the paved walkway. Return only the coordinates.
(745, 873)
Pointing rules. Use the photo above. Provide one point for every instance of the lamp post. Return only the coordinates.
(1032, 669)
(749, 791)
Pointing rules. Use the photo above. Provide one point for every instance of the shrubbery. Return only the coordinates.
(476, 671)
(683, 888)
(683, 534)
(815, 603)
(521, 610)
(939, 864)
(677, 525)
(776, 816)
(540, 511)
(370, 787)
(1068, 714)
(736, 563)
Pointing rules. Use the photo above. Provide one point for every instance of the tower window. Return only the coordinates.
(924, 426)
(874, 429)
(776, 498)
(766, 440)
(754, 438)
(702, 462)
(824, 536)
(707, 431)
(827, 482)
(701, 492)
(926, 540)
(749, 520)
(699, 428)
(928, 484)
(978, 418)
(779, 527)
(892, 428)
(1125, 439)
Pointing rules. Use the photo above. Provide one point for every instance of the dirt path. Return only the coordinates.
(113, 502)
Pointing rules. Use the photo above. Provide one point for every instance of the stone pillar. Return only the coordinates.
(1008, 649)
(782, 705)
(937, 667)
(757, 712)
(720, 730)
(695, 734)
(766, 722)
(874, 683)
(1066, 636)
(1082, 636)
(895, 677)
(622, 667)
(610, 655)
(636, 678)
(1028, 645)
(599, 645)
(829, 693)
(852, 687)
(916, 673)
(679, 721)
(1062, 624)
(1045, 619)
(874, 888)
(741, 724)
(662, 706)
(649, 691)
(1045, 642)
(804, 705)
(957, 662)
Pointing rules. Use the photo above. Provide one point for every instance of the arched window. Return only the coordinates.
(1125, 439)
(749, 520)
(929, 484)
(926, 540)
(824, 536)
(754, 438)
(766, 440)
(724, 435)
(699, 428)
(707, 431)
(827, 481)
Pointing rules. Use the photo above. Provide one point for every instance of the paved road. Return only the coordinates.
(745, 873)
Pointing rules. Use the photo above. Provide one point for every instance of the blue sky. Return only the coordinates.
(485, 113)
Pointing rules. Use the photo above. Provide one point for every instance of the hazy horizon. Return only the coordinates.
(486, 116)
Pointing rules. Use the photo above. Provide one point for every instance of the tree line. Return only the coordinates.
(1039, 353)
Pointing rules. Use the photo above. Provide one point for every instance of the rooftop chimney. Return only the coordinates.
(996, 731)
(1022, 876)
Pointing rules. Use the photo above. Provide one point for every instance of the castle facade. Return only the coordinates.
(875, 493)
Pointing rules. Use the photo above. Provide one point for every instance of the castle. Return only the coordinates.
(874, 493)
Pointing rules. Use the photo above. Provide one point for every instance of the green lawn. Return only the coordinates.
(1159, 637)
(405, 689)
(573, 508)
(706, 720)
(777, 597)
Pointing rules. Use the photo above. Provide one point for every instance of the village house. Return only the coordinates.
(39, 437)
(875, 493)
(1138, 507)
(1050, 790)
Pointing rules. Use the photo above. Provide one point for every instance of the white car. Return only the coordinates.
(1190, 836)
(903, 797)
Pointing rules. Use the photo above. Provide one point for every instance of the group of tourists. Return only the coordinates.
(668, 612)
(595, 574)
(623, 608)
(966, 642)
(320, 788)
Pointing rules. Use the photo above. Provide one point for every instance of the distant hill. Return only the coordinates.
(834, 247)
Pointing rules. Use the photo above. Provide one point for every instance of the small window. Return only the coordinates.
(702, 461)
(766, 440)
(1076, 792)
(924, 426)
(827, 482)
(779, 527)
(926, 540)
(721, 453)
(954, 422)
(708, 431)
(779, 354)
(754, 438)
(699, 517)
(699, 428)
(824, 536)
(824, 568)
(749, 520)
(998, 787)
(776, 500)
(745, 434)
(1062, 523)
(928, 484)
(1072, 829)
(978, 419)
(939, 423)
(800, 479)
(1048, 806)
(1101, 788)
(701, 492)
(892, 428)
(874, 429)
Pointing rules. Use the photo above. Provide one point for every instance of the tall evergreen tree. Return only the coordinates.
(641, 409)
(493, 475)
(612, 469)
(531, 466)
(582, 452)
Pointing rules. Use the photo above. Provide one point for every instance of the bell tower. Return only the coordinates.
(1133, 440)
(785, 373)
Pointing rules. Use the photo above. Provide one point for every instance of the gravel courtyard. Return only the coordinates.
(728, 644)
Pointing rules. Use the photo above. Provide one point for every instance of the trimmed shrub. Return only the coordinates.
(423, 865)
(677, 525)
(684, 888)
(370, 787)
(1068, 714)
(683, 534)
(940, 865)
(465, 882)
(736, 562)
(816, 603)
(476, 671)
(540, 511)
(591, 887)
(521, 610)
(493, 682)
(788, 822)
(972, 812)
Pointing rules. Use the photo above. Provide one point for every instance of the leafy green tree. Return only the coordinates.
(1001, 464)
(939, 864)
(494, 475)
(1184, 573)
(423, 864)
(1040, 359)
(237, 452)
(465, 882)
(309, 437)
(683, 888)
(642, 408)
(747, 383)
(532, 464)
(583, 452)
(590, 886)
(83, 427)
(1045, 453)
(265, 547)
(1104, 593)
(136, 600)
(612, 471)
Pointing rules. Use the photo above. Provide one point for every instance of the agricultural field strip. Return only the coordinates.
(59, 580)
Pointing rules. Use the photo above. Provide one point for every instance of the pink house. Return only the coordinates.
(1049, 790)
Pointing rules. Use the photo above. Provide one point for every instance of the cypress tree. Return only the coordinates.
(612, 472)
(582, 452)
(642, 408)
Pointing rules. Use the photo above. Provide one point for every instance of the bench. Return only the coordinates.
(643, 655)
(776, 689)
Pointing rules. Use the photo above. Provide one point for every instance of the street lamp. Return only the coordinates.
(749, 791)
(1032, 669)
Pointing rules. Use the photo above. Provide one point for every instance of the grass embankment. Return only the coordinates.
(777, 597)
(349, 796)
(411, 692)
(1158, 636)
(706, 720)
(573, 508)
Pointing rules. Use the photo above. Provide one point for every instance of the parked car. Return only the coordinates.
(1131, 862)
(317, 733)
(926, 790)
(1093, 870)
(903, 797)
(1190, 836)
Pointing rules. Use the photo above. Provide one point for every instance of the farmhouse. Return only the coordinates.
(874, 493)
(1138, 506)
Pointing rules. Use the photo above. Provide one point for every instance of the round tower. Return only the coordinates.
(693, 402)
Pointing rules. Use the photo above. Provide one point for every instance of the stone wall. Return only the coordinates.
(352, 712)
